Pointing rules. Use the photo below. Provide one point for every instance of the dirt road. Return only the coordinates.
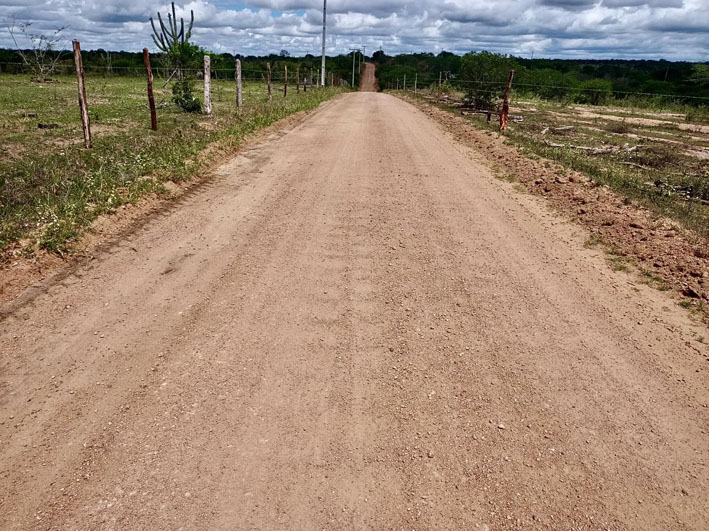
(354, 326)
(369, 80)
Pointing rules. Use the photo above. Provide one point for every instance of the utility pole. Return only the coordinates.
(354, 56)
(324, 35)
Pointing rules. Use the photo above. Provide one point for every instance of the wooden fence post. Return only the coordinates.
(239, 100)
(506, 102)
(440, 82)
(268, 71)
(332, 80)
(151, 98)
(285, 81)
(297, 79)
(83, 107)
(416, 83)
(404, 82)
(207, 85)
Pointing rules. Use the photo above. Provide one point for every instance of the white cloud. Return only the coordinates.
(671, 29)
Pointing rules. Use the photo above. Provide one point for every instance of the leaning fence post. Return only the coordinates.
(83, 107)
(506, 102)
(239, 100)
(285, 82)
(268, 71)
(151, 98)
(207, 85)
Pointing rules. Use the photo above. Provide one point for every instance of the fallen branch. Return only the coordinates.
(636, 165)
(596, 150)
(518, 118)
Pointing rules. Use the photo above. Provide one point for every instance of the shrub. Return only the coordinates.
(595, 92)
(485, 75)
(184, 98)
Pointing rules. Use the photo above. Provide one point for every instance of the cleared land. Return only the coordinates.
(659, 158)
(354, 325)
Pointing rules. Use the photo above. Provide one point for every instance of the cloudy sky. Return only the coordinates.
(670, 29)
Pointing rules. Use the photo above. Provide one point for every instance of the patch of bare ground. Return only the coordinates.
(659, 247)
(645, 121)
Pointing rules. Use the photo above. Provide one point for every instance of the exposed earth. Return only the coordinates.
(355, 324)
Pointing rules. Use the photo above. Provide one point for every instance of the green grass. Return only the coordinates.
(51, 188)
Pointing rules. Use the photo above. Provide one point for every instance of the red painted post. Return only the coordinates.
(506, 102)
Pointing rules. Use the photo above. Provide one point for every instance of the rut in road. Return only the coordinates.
(355, 325)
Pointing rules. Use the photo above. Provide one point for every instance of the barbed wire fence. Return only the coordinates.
(446, 86)
(147, 90)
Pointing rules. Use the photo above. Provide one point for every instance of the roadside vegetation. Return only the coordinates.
(648, 148)
(481, 76)
(655, 158)
(51, 188)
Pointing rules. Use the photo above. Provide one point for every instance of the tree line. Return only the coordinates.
(223, 64)
(482, 74)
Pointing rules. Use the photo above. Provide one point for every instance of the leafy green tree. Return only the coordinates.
(700, 75)
(595, 92)
(485, 75)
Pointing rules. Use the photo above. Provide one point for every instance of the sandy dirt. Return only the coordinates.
(368, 82)
(635, 234)
(354, 325)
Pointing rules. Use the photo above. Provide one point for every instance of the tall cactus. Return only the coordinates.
(168, 38)
(179, 54)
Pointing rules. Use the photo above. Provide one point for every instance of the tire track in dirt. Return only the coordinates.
(355, 326)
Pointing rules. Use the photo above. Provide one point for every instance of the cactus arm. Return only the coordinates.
(165, 33)
(160, 47)
(174, 23)
(157, 37)
(189, 30)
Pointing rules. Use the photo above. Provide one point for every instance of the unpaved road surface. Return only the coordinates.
(369, 80)
(354, 326)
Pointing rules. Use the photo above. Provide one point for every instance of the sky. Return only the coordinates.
(631, 29)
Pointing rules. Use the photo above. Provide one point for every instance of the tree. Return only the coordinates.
(284, 53)
(42, 57)
(700, 75)
(595, 92)
(180, 55)
(485, 75)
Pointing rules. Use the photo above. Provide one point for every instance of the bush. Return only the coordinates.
(184, 98)
(595, 92)
(485, 75)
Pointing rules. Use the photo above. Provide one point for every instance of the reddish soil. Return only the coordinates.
(368, 82)
(660, 246)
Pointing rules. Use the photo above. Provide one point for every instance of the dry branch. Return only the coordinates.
(596, 150)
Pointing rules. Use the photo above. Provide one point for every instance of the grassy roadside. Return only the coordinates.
(51, 188)
(661, 163)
